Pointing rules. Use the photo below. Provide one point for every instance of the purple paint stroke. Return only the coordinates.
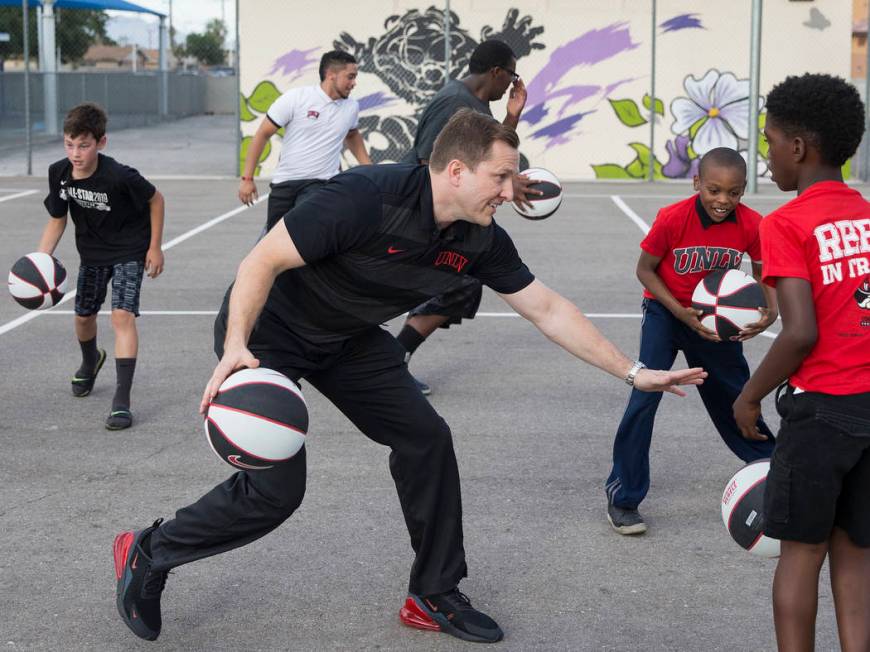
(683, 21)
(375, 100)
(535, 114)
(557, 133)
(294, 62)
(590, 48)
(679, 166)
(619, 82)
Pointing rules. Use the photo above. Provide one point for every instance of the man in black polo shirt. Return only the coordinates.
(308, 301)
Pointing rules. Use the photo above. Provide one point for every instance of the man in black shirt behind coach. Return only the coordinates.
(308, 301)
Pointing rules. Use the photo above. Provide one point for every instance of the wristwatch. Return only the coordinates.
(632, 373)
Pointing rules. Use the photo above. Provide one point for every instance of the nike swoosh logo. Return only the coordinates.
(235, 461)
(393, 250)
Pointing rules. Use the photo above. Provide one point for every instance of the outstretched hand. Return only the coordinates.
(654, 380)
(232, 360)
(522, 189)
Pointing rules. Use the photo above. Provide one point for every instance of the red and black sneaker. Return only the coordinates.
(139, 588)
(451, 613)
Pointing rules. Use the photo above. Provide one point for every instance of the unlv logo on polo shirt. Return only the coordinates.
(689, 260)
(451, 259)
(312, 114)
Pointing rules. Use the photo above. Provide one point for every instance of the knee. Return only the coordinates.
(437, 435)
(123, 320)
(282, 489)
(85, 320)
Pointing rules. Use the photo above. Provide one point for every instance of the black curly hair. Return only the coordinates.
(825, 110)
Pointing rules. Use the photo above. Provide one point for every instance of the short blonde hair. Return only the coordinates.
(468, 136)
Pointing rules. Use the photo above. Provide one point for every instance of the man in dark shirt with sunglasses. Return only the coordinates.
(492, 71)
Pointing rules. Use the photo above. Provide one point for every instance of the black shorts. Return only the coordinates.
(94, 279)
(820, 471)
(458, 303)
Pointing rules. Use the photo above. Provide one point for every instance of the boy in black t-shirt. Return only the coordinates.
(118, 217)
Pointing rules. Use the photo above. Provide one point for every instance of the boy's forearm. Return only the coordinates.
(51, 235)
(157, 206)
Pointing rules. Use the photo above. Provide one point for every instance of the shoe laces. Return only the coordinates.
(456, 600)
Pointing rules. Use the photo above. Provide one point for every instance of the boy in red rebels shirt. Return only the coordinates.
(709, 230)
(816, 251)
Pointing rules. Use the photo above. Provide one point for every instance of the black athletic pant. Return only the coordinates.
(284, 196)
(366, 378)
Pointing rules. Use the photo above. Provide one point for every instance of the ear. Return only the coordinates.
(798, 149)
(101, 143)
(696, 182)
(454, 172)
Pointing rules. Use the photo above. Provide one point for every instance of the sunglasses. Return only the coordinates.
(512, 73)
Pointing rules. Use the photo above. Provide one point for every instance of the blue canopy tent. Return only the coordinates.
(117, 5)
(48, 52)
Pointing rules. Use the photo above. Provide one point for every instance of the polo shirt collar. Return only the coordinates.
(706, 220)
(322, 94)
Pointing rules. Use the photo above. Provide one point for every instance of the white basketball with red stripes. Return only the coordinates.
(257, 420)
(743, 509)
(37, 281)
(729, 299)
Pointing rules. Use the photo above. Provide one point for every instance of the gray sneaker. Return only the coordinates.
(425, 390)
(625, 521)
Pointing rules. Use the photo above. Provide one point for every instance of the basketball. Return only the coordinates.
(257, 420)
(743, 509)
(729, 299)
(542, 205)
(37, 281)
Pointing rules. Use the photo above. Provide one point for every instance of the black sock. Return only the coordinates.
(410, 339)
(124, 368)
(90, 357)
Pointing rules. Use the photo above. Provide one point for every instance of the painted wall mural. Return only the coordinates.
(587, 70)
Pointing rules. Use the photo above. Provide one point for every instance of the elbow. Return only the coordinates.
(802, 339)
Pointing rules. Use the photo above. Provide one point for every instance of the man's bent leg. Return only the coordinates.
(371, 385)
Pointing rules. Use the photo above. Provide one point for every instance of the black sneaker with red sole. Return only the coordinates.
(451, 613)
(139, 588)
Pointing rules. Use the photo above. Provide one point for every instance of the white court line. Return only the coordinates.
(212, 313)
(675, 196)
(23, 193)
(634, 217)
(23, 319)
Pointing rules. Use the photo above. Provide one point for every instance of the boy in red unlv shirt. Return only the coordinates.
(816, 251)
(710, 230)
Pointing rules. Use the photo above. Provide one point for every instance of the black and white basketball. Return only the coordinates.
(542, 205)
(743, 509)
(257, 420)
(729, 299)
(37, 281)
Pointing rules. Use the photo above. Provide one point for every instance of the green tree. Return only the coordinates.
(76, 30)
(208, 47)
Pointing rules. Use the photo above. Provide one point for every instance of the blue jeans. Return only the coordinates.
(661, 336)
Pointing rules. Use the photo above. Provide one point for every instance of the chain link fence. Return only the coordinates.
(140, 77)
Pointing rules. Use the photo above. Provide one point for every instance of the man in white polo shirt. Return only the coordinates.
(318, 121)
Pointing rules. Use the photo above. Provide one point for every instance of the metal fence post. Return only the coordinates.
(28, 145)
(48, 66)
(163, 108)
(864, 163)
(446, 41)
(754, 74)
(652, 98)
(237, 128)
